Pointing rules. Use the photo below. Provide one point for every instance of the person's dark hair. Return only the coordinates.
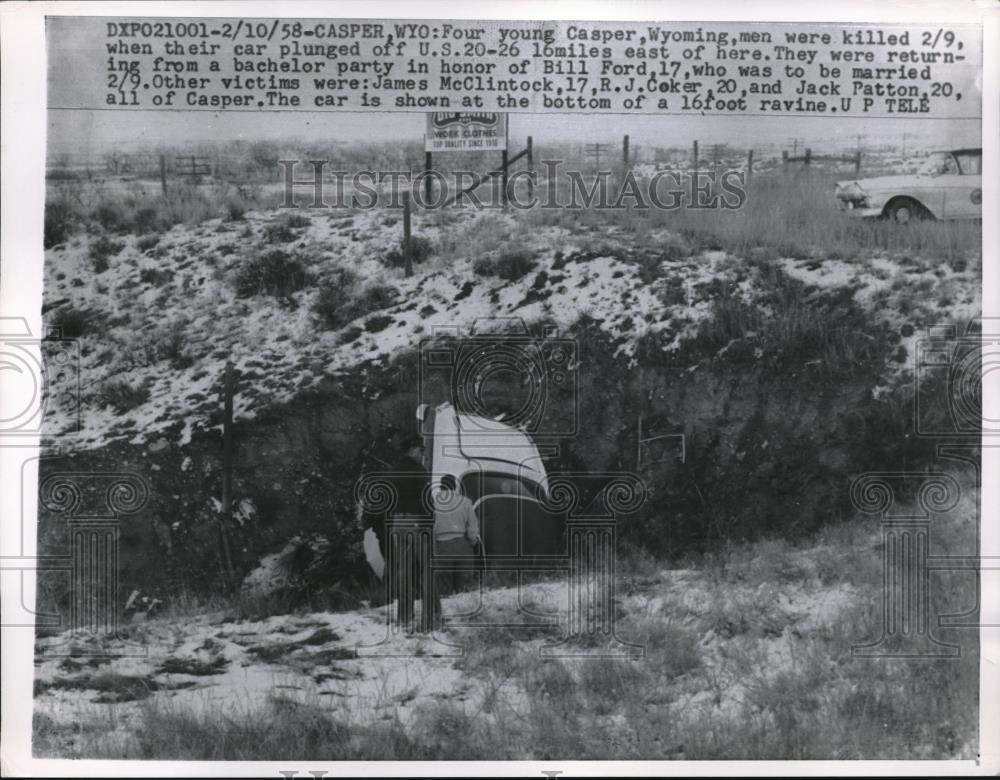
(448, 482)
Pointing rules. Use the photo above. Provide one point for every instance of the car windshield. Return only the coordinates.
(939, 163)
(971, 163)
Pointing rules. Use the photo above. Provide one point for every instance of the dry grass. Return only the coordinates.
(138, 209)
(783, 217)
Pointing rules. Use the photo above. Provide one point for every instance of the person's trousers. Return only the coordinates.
(455, 561)
(451, 572)
(410, 544)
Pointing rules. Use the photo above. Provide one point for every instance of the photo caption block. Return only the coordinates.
(734, 68)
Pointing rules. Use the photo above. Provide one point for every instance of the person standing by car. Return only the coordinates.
(456, 534)
(411, 538)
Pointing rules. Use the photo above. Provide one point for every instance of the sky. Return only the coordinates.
(84, 132)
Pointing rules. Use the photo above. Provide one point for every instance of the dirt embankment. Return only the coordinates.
(749, 451)
(772, 384)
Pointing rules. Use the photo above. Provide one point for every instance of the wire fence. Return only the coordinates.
(260, 161)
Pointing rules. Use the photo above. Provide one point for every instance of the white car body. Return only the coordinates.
(949, 186)
(502, 473)
(462, 444)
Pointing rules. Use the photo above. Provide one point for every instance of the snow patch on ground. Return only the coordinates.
(362, 667)
(170, 319)
(910, 298)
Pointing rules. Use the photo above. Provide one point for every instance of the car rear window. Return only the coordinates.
(476, 485)
(971, 163)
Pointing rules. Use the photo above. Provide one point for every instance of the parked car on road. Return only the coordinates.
(947, 186)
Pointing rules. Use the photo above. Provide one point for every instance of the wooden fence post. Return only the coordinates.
(694, 157)
(625, 151)
(428, 162)
(531, 169)
(406, 217)
(406, 234)
(163, 173)
(228, 390)
(857, 163)
(808, 157)
(503, 178)
(749, 167)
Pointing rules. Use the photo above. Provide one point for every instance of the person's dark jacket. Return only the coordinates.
(410, 479)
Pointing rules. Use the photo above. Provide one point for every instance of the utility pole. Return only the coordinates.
(594, 150)
(717, 151)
